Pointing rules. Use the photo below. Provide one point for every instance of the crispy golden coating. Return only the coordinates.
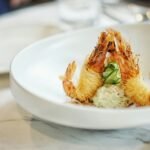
(91, 73)
(132, 82)
(90, 80)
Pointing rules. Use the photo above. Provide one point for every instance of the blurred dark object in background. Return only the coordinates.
(4, 6)
(145, 3)
(11, 5)
(39, 1)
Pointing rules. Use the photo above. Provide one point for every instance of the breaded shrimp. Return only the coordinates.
(132, 81)
(91, 73)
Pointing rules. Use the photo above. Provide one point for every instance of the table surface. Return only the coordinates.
(19, 130)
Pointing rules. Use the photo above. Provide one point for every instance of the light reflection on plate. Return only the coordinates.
(36, 85)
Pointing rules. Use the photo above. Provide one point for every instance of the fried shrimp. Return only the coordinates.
(132, 81)
(91, 73)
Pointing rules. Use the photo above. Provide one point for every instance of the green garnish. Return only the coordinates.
(112, 74)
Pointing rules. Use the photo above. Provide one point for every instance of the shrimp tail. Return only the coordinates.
(90, 76)
(132, 83)
(97, 58)
(67, 80)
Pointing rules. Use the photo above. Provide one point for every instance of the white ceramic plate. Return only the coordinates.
(35, 80)
(15, 36)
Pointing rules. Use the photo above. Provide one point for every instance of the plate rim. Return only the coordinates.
(81, 125)
(74, 106)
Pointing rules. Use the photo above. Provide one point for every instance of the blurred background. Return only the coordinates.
(23, 22)
(10, 5)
